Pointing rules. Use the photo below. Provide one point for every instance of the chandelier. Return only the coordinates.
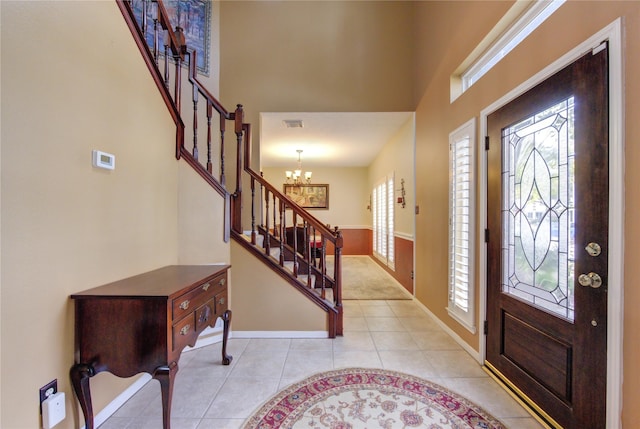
(295, 176)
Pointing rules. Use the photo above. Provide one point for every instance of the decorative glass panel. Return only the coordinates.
(538, 209)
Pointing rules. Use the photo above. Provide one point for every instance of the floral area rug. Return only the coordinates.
(358, 398)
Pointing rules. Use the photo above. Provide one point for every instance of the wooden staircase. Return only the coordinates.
(283, 235)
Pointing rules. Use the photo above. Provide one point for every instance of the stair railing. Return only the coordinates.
(303, 242)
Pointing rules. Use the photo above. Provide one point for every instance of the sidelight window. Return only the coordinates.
(461, 223)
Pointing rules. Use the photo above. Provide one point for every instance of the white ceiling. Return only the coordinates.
(351, 139)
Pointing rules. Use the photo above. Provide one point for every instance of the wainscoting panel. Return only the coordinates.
(357, 241)
(404, 262)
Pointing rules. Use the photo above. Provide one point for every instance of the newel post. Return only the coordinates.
(338, 280)
(237, 196)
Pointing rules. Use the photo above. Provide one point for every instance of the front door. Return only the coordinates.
(547, 244)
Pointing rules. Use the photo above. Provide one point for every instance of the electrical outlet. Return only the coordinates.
(47, 390)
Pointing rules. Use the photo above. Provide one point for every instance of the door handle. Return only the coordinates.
(592, 279)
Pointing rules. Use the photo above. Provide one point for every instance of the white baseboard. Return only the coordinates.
(119, 401)
(280, 334)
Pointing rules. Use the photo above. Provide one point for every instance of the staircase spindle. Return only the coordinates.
(156, 34)
(253, 211)
(309, 262)
(143, 25)
(209, 114)
(166, 60)
(239, 118)
(275, 233)
(295, 244)
(308, 233)
(195, 123)
(283, 236)
(223, 124)
(267, 233)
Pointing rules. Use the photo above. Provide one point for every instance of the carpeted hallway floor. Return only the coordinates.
(364, 279)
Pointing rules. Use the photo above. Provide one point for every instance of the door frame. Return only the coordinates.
(613, 34)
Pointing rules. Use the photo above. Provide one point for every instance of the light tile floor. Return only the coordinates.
(396, 335)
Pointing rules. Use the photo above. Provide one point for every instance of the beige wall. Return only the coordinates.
(398, 156)
(465, 23)
(73, 81)
(67, 226)
(267, 71)
(264, 302)
(200, 220)
(348, 195)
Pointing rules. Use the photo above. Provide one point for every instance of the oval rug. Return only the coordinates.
(363, 398)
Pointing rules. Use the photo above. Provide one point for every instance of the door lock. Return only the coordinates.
(593, 249)
(592, 279)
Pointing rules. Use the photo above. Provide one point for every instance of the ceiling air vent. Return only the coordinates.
(292, 123)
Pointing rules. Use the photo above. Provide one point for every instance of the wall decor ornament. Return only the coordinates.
(193, 16)
(308, 196)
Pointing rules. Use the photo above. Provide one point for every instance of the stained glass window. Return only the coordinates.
(538, 209)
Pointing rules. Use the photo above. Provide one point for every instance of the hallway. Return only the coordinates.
(392, 334)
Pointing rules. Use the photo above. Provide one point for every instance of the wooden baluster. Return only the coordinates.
(283, 236)
(275, 232)
(143, 26)
(337, 292)
(253, 211)
(267, 235)
(305, 232)
(195, 122)
(166, 59)
(309, 262)
(295, 244)
(209, 113)
(239, 117)
(156, 33)
(178, 58)
(323, 269)
(261, 217)
(223, 124)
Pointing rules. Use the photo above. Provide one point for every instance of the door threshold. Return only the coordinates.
(531, 407)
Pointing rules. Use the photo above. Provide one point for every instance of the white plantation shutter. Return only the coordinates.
(382, 202)
(374, 210)
(461, 221)
(390, 220)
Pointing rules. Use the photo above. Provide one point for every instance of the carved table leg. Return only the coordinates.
(166, 375)
(80, 374)
(226, 319)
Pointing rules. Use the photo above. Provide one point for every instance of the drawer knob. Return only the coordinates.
(184, 304)
(222, 282)
(206, 286)
(185, 329)
(221, 301)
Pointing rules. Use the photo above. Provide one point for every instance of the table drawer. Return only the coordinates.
(222, 302)
(193, 299)
(184, 332)
(205, 315)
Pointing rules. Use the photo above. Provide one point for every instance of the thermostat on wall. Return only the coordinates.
(104, 160)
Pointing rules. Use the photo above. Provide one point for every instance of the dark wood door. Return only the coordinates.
(547, 248)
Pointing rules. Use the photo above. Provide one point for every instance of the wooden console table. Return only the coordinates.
(142, 323)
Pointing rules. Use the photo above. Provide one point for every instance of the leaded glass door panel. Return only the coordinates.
(547, 209)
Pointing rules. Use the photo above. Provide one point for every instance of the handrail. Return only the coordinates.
(193, 78)
(298, 251)
(299, 211)
(129, 17)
